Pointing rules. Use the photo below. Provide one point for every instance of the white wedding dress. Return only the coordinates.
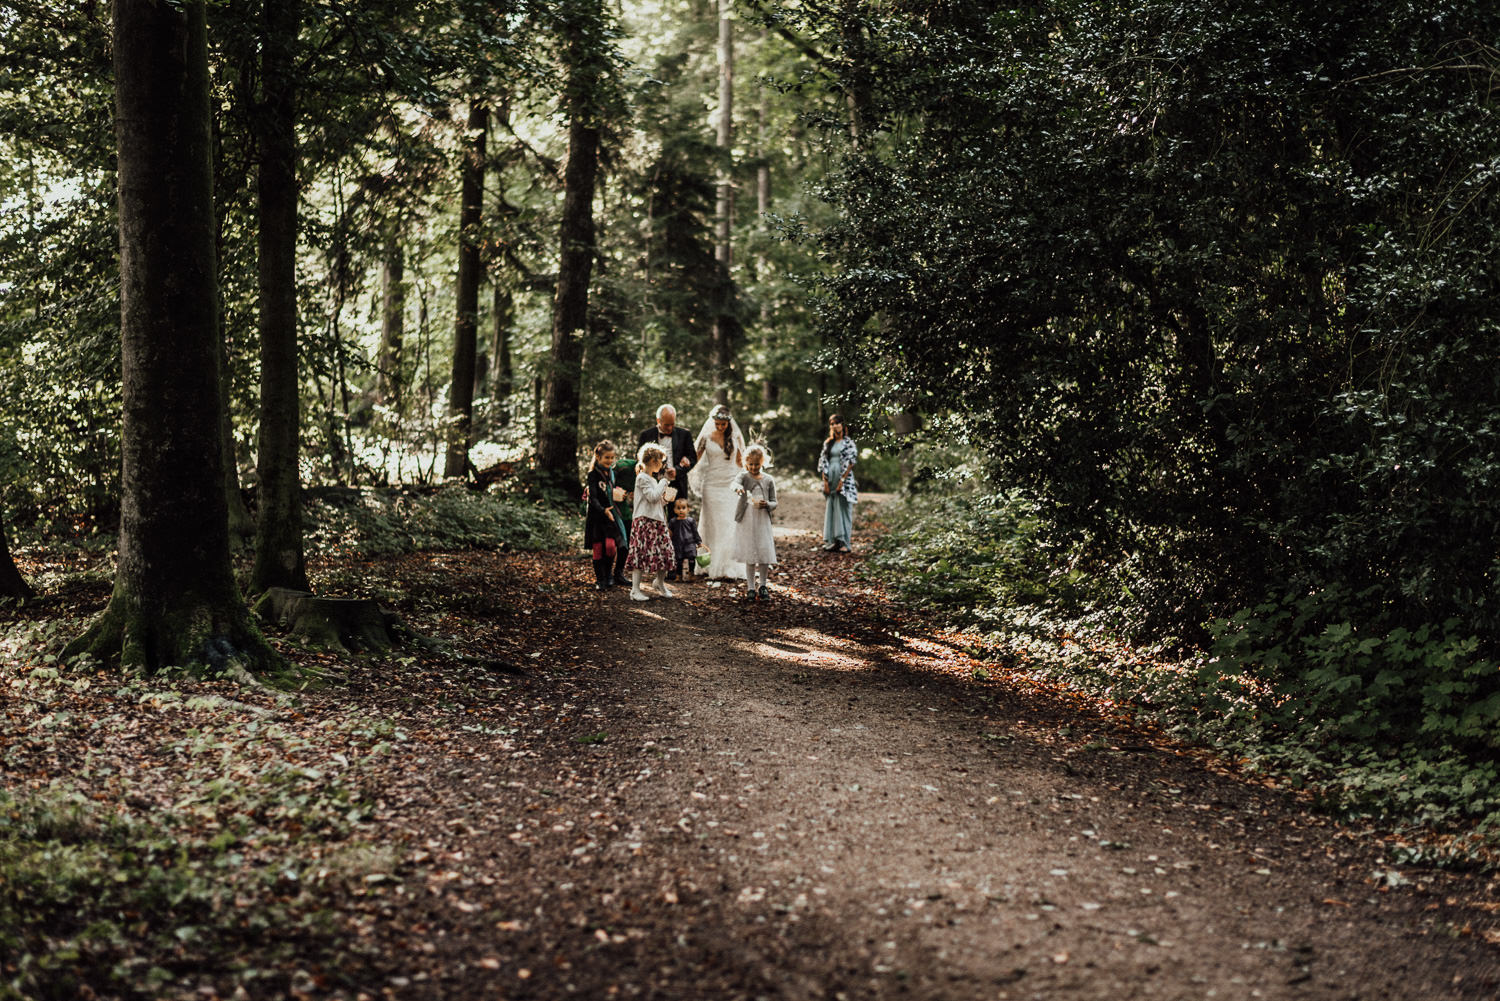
(714, 477)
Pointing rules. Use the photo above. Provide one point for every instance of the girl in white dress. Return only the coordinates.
(721, 459)
(754, 541)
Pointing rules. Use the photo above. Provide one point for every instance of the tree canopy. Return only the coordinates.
(1209, 282)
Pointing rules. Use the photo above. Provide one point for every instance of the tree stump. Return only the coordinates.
(348, 624)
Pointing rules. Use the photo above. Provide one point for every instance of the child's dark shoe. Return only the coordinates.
(763, 594)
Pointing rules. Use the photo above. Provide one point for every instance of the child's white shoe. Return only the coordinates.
(661, 586)
(636, 594)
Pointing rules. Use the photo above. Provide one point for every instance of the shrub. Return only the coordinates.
(372, 522)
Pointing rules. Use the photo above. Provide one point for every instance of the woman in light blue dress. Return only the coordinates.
(836, 464)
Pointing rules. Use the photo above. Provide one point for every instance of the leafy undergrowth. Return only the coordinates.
(371, 522)
(173, 837)
(1397, 728)
(154, 829)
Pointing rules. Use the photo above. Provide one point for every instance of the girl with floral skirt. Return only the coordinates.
(650, 541)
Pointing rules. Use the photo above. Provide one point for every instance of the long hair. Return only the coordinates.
(828, 442)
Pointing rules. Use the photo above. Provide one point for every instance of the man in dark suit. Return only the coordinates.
(682, 454)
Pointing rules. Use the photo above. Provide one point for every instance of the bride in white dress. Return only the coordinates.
(721, 458)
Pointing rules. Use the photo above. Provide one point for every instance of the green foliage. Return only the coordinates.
(1402, 723)
(1419, 704)
(972, 557)
(1208, 282)
(373, 522)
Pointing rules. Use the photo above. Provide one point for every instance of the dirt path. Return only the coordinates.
(810, 800)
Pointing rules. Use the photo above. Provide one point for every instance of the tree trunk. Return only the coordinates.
(482, 374)
(465, 327)
(241, 525)
(503, 313)
(279, 560)
(174, 600)
(392, 324)
(557, 433)
(857, 97)
(12, 584)
(344, 624)
(725, 326)
(768, 386)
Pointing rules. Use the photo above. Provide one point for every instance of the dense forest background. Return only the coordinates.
(1177, 320)
(390, 101)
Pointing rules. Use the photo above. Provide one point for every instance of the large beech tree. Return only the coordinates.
(174, 600)
(279, 561)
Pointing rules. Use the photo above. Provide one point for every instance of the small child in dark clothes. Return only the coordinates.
(685, 539)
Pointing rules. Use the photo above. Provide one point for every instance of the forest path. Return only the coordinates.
(813, 798)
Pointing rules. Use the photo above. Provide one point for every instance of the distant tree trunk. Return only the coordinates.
(12, 584)
(482, 373)
(768, 385)
(557, 433)
(857, 97)
(279, 559)
(174, 600)
(241, 525)
(465, 328)
(392, 324)
(503, 313)
(725, 327)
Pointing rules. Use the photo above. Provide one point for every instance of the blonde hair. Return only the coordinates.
(644, 455)
(760, 450)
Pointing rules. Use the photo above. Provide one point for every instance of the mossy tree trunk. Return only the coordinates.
(279, 560)
(175, 600)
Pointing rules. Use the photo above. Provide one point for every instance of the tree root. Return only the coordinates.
(209, 640)
(346, 624)
(351, 625)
